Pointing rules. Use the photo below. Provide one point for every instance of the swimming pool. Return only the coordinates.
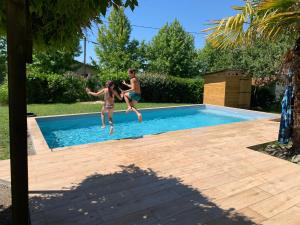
(62, 131)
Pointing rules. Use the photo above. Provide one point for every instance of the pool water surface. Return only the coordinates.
(62, 131)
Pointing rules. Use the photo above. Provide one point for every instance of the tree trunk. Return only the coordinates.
(296, 70)
(17, 55)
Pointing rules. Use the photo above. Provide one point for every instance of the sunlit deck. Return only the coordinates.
(198, 176)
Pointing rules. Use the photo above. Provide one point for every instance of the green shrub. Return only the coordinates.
(37, 88)
(74, 89)
(117, 78)
(161, 88)
(263, 97)
(44, 88)
(4, 93)
(92, 83)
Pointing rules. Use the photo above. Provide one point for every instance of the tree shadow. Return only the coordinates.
(261, 147)
(5, 215)
(131, 138)
(5, 203)
(130, 197)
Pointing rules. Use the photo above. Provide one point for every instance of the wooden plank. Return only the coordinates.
(214, 93)
(228, 88)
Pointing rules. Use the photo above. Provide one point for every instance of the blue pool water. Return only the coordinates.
(82, 129)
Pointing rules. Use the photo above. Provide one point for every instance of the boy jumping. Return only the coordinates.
(133, 94)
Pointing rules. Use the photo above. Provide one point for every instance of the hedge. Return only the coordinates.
(4, 93)
(45, 88)
(116, 77)
(263, 97)
(162, 88)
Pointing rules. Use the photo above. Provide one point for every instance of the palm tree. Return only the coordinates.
(268, 20)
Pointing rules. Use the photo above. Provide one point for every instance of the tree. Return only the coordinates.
(211, 59)
(54, 61)
(44, 24)
(172, 51)
(265, 20)
(3, 58)
(115, 51)
(58, 24)
(138, 54)
(262, 60)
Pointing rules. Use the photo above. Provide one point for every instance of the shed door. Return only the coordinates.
(245, 93)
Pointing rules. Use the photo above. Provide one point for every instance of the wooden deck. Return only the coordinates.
(198, 176)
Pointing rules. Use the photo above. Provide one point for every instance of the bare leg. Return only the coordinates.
(129, 105)
(139, 115)
(103, 117)
(110, 119)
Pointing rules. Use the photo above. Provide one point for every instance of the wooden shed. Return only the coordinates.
(227, 88)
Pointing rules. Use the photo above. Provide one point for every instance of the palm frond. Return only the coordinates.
(275, 24)
(268, 19)
(231, 30)
(276, 4)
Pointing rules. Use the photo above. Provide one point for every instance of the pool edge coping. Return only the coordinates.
(162, 107)
(39, 143)
(80, 146)
(117, 111)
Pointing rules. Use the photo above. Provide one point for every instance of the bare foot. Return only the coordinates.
(103, 126)
(111, 130)
(128, 109)
(140, 117)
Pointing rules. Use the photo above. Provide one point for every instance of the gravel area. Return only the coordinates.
(285, 152)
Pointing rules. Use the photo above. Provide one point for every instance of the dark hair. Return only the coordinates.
(109, 84)
(131, 71)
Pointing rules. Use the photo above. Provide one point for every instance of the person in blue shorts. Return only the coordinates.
(133, 95)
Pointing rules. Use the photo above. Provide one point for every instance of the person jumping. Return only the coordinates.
(109, 101)
(133, 95)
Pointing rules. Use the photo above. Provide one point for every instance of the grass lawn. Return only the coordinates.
(57, 109)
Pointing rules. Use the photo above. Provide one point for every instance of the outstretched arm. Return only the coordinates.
(131, 86)
(94, 93)
(128, 85)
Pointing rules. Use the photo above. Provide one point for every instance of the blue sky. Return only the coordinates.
(192, 14)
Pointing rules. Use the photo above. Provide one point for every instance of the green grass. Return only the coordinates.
(4, 153)
(57, 109)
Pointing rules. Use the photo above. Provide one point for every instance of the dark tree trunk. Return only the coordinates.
(17, 56)
(296, 125)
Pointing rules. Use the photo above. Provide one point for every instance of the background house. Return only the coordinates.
(84, 70)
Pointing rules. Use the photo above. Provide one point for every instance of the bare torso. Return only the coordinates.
(135, 84)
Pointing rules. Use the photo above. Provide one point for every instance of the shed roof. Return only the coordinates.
(241, 72)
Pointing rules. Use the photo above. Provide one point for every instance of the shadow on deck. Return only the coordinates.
(130, 197)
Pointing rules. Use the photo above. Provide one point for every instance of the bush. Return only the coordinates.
(117, 78)
(37, 88)
(92, 82)
(4, 93)
(263, 97)
(74, 89)
(44, 88)
(162, 88)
